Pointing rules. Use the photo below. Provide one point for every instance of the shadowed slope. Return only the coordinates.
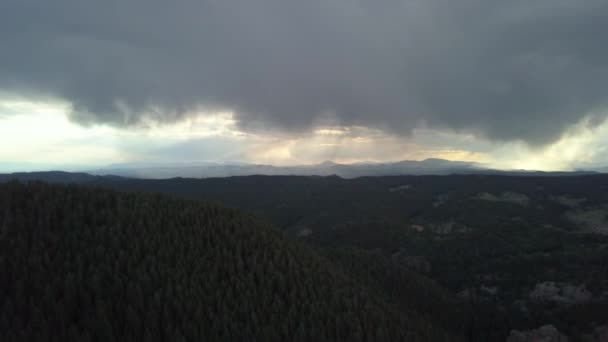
(84, 264)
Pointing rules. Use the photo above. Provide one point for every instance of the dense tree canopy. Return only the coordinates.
(86, 264)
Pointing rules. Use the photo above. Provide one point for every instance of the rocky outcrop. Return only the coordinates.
(568, 201)
(443, 228)
(508, 197)
(400, 188)
(304, 232)
(561, 293)
(546, 333)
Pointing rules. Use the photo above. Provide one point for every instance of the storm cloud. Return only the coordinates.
(505, 70)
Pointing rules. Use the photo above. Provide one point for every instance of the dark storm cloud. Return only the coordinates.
(520, 69)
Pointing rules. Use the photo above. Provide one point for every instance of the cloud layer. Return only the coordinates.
(507, 70)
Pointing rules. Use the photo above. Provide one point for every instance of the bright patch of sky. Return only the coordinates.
(39, 136)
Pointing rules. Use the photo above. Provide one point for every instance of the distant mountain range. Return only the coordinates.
(327, 168)
(407, 167)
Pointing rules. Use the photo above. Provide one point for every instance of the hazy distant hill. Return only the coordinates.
(602, 169)
(56, 177)
(49, 176)
(327, 168)
(207, 170)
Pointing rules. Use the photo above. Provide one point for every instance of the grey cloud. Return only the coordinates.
(507, 70)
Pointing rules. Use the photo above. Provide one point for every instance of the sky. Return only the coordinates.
(518, 84)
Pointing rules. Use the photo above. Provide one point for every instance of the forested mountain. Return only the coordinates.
(87, 264)
(520, 252)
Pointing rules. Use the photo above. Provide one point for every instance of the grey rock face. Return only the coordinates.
(546, 333)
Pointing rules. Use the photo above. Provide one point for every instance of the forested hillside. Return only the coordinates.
(519, 252)
(87, 264)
